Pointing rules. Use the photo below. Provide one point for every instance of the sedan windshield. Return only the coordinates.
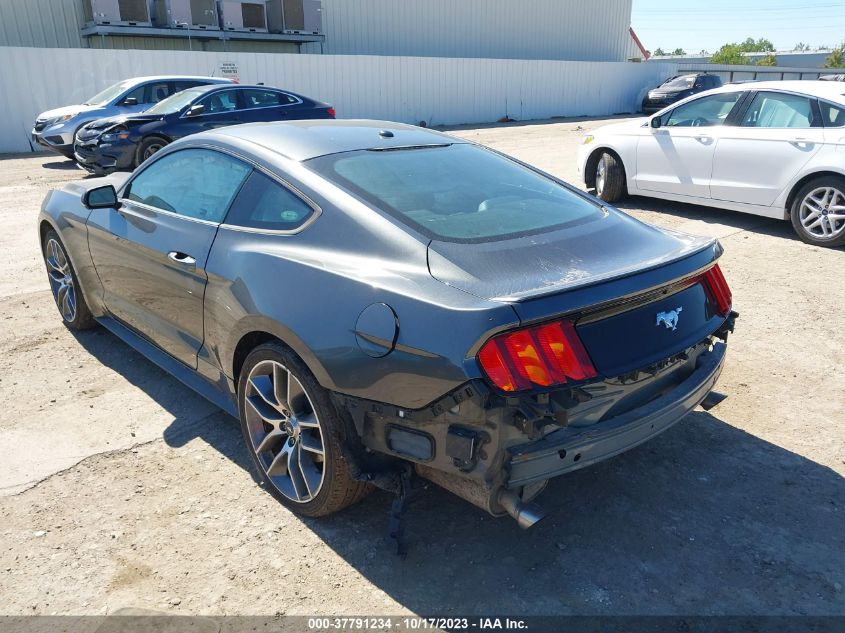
(679, 83)
(107, 95)
(460, 193)
(175, 102)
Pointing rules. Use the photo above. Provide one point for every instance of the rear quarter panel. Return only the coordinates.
(308, 289)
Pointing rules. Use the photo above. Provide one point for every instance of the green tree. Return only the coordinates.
(728, 54)
(837, 58)
(768, 60)
(733, 53)
(679, 52)
(659, 52)
(756, 46)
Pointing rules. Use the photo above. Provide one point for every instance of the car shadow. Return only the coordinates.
(192, 415)
(531, 122)
(65, 165)
(705, 519)
(740, 221)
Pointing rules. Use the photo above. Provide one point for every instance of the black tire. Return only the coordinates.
(55, 258)
(610, 185)
(810, 224)
(148, 147)
(338, 489)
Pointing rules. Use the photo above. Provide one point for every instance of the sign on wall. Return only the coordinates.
(229, 70)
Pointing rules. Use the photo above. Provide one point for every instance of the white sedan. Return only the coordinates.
(773, 148)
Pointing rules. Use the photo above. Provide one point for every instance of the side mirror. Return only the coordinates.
(104, 197)
(656, 122)
(196, 110)
(130, 101)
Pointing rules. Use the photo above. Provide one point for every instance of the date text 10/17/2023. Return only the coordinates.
(414, 623)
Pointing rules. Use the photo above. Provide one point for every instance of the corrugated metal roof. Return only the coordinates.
(595, 30)
(57, 24)
(41, 23)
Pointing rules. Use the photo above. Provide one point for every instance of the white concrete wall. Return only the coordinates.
(440, 91)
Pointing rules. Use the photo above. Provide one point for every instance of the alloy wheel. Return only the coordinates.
(61, 279)
(152, 149)
(822, 213)
(601, 175)
(284, 431)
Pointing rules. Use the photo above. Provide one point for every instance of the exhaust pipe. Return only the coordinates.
(496, 503)
(525, 513)
(712, 399)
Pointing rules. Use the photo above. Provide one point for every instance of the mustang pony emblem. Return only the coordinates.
(669, 319)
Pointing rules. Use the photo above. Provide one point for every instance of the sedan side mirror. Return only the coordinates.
(104, 197)
(656, 122)
(130, 101)
(196, 110)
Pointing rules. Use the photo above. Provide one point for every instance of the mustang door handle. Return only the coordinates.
(181, 258)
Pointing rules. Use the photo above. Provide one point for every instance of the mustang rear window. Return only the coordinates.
(457, 192)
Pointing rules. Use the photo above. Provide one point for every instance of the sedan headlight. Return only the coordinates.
(118, 132)
(62, 119)
(588, 139)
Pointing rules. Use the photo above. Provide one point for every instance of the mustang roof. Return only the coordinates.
(305, 139)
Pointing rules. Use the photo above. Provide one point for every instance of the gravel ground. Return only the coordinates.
(121, 488)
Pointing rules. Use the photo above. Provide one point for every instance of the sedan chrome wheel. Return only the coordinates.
(601, 175)
(61, 279)
(822, 213)
(284, 431)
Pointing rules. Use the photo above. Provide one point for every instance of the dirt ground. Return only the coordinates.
(121, 488)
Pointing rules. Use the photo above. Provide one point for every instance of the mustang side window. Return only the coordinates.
(265, 204)
(706, 111)
(197, 183)
(773, 109)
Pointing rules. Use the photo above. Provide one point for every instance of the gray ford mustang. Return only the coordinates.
(378, 302)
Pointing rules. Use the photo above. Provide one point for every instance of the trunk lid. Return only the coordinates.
(516, 270)
(614, 278)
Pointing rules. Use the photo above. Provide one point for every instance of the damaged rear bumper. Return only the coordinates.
(572, 448)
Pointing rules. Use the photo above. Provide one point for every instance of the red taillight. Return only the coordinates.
(718, 287)
(332, 113)
(538, 356)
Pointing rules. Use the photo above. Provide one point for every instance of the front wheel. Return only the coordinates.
(64, 284)
(818, 211)
(147, 148)
(294, 434)
(610, 178)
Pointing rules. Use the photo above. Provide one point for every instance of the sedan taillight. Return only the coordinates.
(538, 356)
(718, 289)
(332, 113)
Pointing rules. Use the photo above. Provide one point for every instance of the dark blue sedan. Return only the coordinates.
(124, 142)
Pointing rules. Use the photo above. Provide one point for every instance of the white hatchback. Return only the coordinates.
(772, 148)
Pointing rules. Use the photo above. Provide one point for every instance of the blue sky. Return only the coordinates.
(696, 25)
